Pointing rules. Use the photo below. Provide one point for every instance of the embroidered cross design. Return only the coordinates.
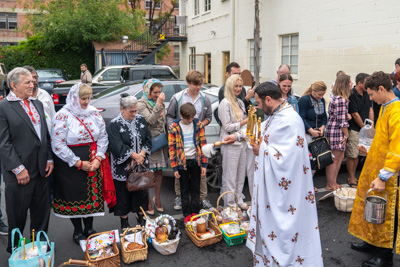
(294, 239)
(265, 153)
(278, 155)
(255, 261)
(272, 236)
(305, 169)
(266, 137)
(285, 183)
(300, 141)
(268, 207)
(266, 261)
(256, 165)
(277, 263)
(299, 260)
(292, 209)
(310, 197)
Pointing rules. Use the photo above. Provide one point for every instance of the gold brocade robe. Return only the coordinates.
(384, 153)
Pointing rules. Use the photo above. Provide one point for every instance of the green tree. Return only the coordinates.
(75, 23)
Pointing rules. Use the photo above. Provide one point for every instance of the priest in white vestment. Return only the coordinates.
(284, 224)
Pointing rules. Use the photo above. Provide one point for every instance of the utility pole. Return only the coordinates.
(257, 43)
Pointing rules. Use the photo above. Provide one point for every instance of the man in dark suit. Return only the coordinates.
(26, 157)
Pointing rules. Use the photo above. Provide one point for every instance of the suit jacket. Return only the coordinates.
(19, 143)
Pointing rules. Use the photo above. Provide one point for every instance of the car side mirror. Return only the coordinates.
(100, 78)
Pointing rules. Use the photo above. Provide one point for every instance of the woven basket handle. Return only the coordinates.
(226, 192)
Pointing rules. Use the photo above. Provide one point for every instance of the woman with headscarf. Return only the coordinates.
(151, 106)
(130, 140)
(79, 142)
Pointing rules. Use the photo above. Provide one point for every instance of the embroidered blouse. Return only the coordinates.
(126, 137)
(67, 130)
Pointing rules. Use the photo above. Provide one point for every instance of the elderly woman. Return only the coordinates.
(232, 115)
(130, 140)
(79, 142)
(151, 107)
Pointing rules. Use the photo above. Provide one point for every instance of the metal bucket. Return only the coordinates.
(375, 208)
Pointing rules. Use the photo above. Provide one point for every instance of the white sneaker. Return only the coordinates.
(178, 203)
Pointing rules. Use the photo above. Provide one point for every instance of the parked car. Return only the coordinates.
(110, 76)
(49, 77)
(107, 101)
(114, 75)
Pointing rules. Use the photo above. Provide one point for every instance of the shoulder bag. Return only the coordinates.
(321, 154)
(138, 180)
(158, 142)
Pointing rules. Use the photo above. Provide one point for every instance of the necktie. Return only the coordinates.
(26, 102)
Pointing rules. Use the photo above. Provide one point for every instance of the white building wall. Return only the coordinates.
(354, 36)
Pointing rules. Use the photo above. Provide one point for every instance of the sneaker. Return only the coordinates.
(178, 203)
(206, 204)
(3, 229)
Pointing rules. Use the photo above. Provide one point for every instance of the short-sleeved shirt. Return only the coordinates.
(360, 104)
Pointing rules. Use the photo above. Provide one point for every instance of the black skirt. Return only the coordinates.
(129, 201)
(76, 194)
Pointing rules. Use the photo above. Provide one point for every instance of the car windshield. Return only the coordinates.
(111, 91)
(49, 73)
(97, 72)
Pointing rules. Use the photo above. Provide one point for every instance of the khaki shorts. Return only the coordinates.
(352, 145)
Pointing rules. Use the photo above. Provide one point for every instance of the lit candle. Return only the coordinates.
(33, 238)
(24, 247)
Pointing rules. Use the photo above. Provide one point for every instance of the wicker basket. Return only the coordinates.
(137, 254)
(219, 209)
(344, 198)
(207, 241)
(111, 261)
(75, 263)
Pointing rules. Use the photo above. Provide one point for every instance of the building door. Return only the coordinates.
(226, 59)
(208, 68)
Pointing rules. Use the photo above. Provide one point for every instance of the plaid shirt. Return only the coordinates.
(176, 150)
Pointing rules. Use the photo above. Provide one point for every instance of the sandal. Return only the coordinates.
(244, 206)
(158, 209)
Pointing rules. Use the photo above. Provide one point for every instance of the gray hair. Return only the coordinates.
(14, 76)
(127, 101)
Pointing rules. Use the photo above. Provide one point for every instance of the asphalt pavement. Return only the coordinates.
(335, 239)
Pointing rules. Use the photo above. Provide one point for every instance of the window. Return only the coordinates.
(252, 55)
(207, 5)
(8, 21)
(112, 75)
(157, 5)
(176, 52)
(290, 52)
(196, 7)
(176, 6)
(192, 58)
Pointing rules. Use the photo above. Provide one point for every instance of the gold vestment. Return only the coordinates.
(384, 153)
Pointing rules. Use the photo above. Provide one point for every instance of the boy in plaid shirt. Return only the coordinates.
(185, 140)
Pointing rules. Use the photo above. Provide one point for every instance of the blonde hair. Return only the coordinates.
(85, 90)
(318, 86)
(230, 95)
(342, 87)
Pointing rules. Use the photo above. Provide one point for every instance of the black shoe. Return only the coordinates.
(377, 261)
(363, 247)
(78, 237)
(140, 220)
(90, 232)
(124, 223)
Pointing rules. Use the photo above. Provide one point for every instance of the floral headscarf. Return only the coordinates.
(73, 103)
(146, 89)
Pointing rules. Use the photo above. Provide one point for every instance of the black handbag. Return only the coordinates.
(321, 154)
(139, 180)
(158, 142)
(320, 151)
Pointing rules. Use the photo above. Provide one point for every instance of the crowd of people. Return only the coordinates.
(88, 163)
